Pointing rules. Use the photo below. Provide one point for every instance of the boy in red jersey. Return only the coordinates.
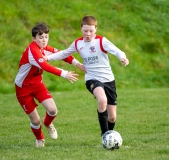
(99, 77)
(29, 85)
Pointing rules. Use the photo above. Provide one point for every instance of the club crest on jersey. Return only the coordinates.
(40, 60)
(92, 49)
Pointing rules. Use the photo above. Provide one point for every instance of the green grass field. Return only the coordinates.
(137, 27)
(142, 120)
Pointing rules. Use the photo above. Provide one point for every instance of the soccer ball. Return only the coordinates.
(111, 140)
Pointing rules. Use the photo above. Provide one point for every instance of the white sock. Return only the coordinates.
(51, 114)
(35, 127)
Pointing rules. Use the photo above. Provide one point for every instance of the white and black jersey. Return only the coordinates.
(94, 55)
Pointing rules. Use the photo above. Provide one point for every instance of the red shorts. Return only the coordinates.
(27, 95)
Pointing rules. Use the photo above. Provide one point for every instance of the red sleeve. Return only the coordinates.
(39, 60)
(69, 59)
(49, 68)
(50, 48)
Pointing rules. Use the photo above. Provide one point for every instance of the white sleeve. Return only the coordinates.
(47, 53)
(111, 48)
(63, 53)
(64, 73)
(75, 62)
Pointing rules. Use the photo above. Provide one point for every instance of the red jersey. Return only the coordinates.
(32, 65)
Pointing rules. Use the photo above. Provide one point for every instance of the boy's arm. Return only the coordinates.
(111, 48)
(71, 60)
(75, 62)
(125, 61)
(49, 50)
(36, 59)
(63, 53)
(66, 56)
(69, 75)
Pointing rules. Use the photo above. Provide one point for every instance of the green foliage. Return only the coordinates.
(142, 120)
(139, 28)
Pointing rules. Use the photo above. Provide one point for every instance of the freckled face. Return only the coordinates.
(88, 32)
(41, 40)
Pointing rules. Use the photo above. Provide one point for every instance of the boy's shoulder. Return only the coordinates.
(99, 36)
(77, 39)
(96, 37)
(33, 47)
(33, 44)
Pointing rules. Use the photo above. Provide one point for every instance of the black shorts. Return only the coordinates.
(109, 88)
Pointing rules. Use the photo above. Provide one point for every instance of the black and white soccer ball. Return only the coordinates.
(111, 140)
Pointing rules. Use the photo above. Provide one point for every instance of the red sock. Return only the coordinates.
(38, 133)
(48, 119)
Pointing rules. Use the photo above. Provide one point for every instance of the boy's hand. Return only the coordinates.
(81, 67)
(125, 61)
(71, 76)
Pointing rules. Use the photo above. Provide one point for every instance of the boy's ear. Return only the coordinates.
(33, 38)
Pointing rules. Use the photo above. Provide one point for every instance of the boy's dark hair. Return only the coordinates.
(39, 29)
(89, 20)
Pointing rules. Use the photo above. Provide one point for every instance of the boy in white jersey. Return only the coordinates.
(99, 77)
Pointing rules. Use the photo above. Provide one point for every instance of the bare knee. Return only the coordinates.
(102, 103)
(112, 118)
(35, 121)
(50, 106)
(52, 111)
(34, 117)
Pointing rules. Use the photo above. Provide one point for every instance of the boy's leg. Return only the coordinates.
(48, 118)
(111, 116)
(43, 96)
(103, 121)
(110, 90)
(102, 111)
(111, 125)
(26, 100)
(36, 128)
(51, 113)
(37, 131)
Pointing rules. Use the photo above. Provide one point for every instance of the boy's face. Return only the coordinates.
(41, 40)
(88, 32)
